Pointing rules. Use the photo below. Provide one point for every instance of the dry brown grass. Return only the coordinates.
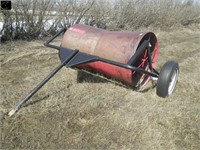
(96, 114)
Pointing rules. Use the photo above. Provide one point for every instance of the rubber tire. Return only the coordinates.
(164, 78)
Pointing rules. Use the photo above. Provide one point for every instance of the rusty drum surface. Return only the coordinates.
(112, 45)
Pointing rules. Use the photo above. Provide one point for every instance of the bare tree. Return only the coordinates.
(26, 19)
(33, 18)
(73, 11)
(131, 14)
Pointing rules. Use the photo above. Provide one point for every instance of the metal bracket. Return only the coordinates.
(83, 58)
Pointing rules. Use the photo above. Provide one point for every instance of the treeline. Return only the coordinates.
(37, 18)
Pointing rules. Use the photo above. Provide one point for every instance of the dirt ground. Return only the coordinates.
(95, 113)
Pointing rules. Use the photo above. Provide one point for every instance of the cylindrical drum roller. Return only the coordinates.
(115, 46)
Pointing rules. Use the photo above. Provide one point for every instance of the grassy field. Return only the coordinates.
(94, 113)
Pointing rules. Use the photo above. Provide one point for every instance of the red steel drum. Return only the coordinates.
(112, 45)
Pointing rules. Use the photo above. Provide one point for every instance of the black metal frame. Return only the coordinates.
(72, 58)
